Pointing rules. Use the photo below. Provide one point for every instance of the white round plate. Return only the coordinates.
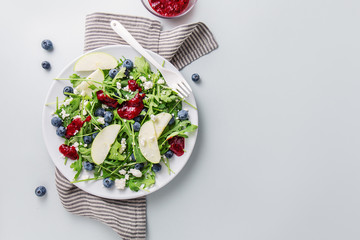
(53, 142)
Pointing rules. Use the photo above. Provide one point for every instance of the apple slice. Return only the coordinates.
(160, 123)
(148, 142)
(97, 76)
(102, 143)
(93, 61)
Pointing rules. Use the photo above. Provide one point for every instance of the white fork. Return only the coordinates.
(173, 79)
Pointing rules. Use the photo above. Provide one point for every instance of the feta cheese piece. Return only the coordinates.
(122, 171)
(104, 106)
(131, 77)
(127, 176)
(142, 78)
(64, 114)
(148, 85)
(68, 101)
(118, 85)
(123, 145)
(120, 183)
(135, 172)
(101, 120)
(161, 81)
(76, 145)
(127, 89)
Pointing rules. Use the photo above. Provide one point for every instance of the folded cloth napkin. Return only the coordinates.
(180, 46)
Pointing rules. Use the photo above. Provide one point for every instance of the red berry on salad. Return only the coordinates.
(75, 126)
(105, 99)
(132, 108)
(177, 145)
(133, 86)
(69, 152)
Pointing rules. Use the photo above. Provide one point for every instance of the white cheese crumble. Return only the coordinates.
(104, 106)
(161, 81)
(123, 145)
(77, 116)
(67, 101)
(127, 176)
(64, 114)
(122, 171)
(76, 145)
(153, 117)
(131, 77)
(148, 85)
(120, 183)
(127, 89)
(101, 120)
(118, 85)
(85, 145)
(135, 172)
(142, 78)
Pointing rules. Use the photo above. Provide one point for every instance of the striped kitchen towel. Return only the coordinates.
(180, 46)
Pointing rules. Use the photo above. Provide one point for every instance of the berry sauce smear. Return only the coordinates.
(177, 145)
(69, 152)
(74, 126)
(132, 108)
(169, 8)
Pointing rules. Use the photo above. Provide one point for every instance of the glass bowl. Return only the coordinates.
(185, 11)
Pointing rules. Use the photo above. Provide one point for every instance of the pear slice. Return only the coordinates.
(160, 123)
(148, 142)
(93, 61)
(97, 75)
(102, 143)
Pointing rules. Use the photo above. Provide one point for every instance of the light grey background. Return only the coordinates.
(277, 156)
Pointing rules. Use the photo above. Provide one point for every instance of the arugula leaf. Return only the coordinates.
(142, 65)
(77, 166)
(146, 180)
(115, 152)
(73, 80)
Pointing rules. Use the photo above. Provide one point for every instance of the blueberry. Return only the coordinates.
(139, 118)
(45, 65)
(107, 182)
(108, 117)
(40, 191)
(68, 89)
(113, 72)
(88, 166)
(172, 121)
(132, 157)
(156, 167)
(99, 112)
(128, 64)
(56, 121)
(183, 114)
(47, 44)
(105, 125)
(87, 139)
(94, 135)
(61, 131)
(195, 77)
(136, 127)
(139, 166)
(169, 154)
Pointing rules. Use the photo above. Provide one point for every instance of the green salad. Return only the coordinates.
(121, 123)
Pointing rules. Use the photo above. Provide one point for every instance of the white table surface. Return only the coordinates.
(277, 156)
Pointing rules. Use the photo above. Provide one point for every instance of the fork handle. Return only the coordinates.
(124, 34)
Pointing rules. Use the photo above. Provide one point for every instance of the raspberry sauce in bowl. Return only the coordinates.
(169, 8)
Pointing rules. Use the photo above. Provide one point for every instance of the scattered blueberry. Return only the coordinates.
(87, 139)
(139, 166)
(56, 121)
(61, 131)
(139, 118)
(68, 89)
(132, 157)
(107, 182)
(169, 154)
(40, 191)
(45, 65)
(94, 135)
(113, 72)
(136, 126)
(128, 64)
(99, 112)
(156, 167)
(195, 77)
(47, 44)
(88, 165)
(183, 114)
(172, 121)
(108, 117)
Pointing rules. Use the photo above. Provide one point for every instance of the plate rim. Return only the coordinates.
(140, 193)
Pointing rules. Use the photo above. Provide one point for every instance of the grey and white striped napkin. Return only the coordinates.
(180, 46)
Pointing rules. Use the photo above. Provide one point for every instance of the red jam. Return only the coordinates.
(74, 126)
(69, 152)
(169, 8)
(132, 108)
(177, 145)
(133, 86)
(105, 99)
